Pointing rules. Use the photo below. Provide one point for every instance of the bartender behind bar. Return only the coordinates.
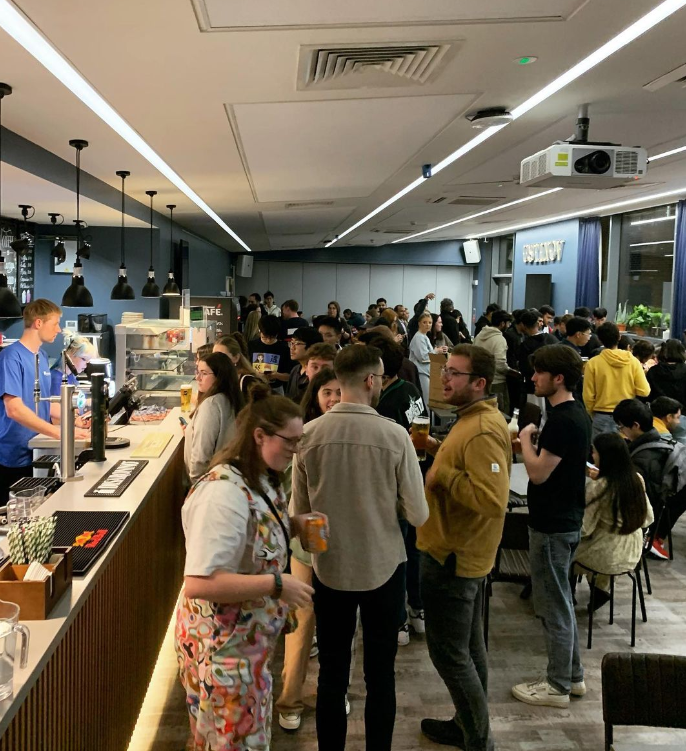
(19, 422)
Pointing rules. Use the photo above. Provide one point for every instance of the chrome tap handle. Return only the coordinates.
(36, 382)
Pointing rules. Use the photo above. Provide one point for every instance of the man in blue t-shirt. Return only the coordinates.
(18, 419)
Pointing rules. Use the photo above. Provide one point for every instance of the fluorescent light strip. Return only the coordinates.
(637, 29)
(665, 154)
(23, 32)
(576, 214)
(475, 216)
(652, 221)
(657, 242)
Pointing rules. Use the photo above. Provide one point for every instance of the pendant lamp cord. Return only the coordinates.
(151, 197)
(171, 239)
(78, 195)
(123, 258)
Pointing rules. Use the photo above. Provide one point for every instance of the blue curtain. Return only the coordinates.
(679, 297)
(588, 264)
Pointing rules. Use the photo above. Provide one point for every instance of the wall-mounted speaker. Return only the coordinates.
(244, 266)
(471, 251)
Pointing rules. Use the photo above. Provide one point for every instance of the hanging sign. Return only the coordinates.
(547, 252)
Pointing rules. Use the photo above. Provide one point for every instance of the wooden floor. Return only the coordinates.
(516, 654)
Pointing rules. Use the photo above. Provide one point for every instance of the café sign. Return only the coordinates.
(547, 252)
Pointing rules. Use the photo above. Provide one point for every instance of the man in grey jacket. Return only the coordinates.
(491, 338)
(361, 470)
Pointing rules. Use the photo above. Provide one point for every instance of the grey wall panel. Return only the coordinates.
(319, 287)
(258, 282)
(456, 283)
(352, 286)
(387, 281)
(286, 281)
(418, 281)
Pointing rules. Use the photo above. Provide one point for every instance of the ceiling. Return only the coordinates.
(295, 120)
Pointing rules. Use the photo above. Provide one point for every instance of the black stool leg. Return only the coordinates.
(590, 613)
(649, 589)
(633, 611)
(641, 598)
(612, 600)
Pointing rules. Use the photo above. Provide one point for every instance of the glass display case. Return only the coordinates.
(159, 353)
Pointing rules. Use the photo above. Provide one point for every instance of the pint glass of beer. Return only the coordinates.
(186, 394)
(420, 433)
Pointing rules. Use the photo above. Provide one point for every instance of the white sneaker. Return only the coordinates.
(347, 705)
(541, 693)
(578, 689)
(404, 636)
(417, 621)
(290, 721)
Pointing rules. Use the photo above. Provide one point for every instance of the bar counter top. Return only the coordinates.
(46, 636)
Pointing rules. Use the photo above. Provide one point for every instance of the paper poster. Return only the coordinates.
(263, 362)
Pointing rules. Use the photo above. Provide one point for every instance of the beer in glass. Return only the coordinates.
(420, 434)
(186, 395)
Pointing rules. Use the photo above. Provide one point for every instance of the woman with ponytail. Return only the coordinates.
(236, 590)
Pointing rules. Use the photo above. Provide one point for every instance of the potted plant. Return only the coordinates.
(622, 316)
(640, 319)
(655, 323)
(665, 323)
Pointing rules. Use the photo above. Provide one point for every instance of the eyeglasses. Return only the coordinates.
(203, 373)
(450, 373)
(291, 443)
(295, 343)
(374, 375)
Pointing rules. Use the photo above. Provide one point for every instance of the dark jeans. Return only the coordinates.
(414, 598)
(8, 476)
(455, 637)
(336, 615)
(550, 558)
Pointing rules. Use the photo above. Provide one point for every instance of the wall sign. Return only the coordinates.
(547, 252)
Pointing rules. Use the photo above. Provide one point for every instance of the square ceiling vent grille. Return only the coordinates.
(373, 65)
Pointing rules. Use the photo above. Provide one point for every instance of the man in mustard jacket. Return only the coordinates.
(467, 490)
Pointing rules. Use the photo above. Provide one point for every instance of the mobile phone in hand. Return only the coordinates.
(183, 420)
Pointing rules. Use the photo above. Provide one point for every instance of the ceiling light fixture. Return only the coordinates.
(652, 221)
(603, 210)
(171, 288)
(475, 216)
(122, 290)
(151, 289)
(30, 38)
(59, 252)
(656, 242)
(77, 294)
(637, 29)
(665, 154)
(526, 60)
(22, 245)
(9, 305)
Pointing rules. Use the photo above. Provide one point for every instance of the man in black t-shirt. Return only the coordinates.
(290, 320)
(269, 356)
(298, 381)
(556, 498)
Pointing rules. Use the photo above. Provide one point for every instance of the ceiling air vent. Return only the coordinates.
(465, 200)
(308, 204)
(373, 65)
(396, 231)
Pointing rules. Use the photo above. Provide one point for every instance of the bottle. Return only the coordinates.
(513, 425)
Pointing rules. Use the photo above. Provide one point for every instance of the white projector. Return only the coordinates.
(583, 165)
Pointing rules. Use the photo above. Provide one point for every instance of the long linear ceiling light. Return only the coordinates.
(665, 154)
(631, 33)
(475, 216)
(602, 209)
(25, 33)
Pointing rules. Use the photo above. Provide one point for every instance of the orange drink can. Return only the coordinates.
(316, 535)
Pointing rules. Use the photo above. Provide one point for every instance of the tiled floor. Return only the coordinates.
(516, 654)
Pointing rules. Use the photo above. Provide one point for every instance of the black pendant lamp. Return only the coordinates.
(21, 246)
(171, 288)
(77, 294)
(122, 290)
(9, 305)
(59, 252)
(151, 289)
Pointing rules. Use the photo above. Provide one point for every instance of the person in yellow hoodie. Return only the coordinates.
(610, 377)
(467, 490)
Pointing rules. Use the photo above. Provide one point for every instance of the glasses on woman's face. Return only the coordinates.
(290, 443)
(202, 373)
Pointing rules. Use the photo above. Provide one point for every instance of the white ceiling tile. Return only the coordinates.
(294, 221)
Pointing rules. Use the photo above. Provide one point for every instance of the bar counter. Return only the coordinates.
(89, 664)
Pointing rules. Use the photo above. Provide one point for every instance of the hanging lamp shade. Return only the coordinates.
(171, 288)
(77, 294)
(9, 305)
(122, 290)
(151, 289)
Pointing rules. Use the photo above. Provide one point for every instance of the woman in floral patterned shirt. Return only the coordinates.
(236, 596)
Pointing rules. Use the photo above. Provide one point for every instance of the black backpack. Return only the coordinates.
(674, 468)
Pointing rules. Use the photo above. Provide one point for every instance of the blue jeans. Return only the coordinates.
(455, 637)
(603, 423)
(550, 557)
(414, 599)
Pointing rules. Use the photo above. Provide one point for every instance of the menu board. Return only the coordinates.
(20, 271)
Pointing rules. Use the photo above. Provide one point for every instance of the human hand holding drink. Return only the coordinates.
(420, 436)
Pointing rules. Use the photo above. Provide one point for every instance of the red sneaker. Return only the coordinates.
(658, 549)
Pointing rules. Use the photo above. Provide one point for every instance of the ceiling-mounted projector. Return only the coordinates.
(578, 163)
(571, 165)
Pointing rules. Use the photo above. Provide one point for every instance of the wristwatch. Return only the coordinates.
(278, 586)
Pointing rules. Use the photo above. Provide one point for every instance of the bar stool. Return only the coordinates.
(635, 576)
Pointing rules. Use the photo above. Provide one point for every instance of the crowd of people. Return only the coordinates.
(299, 418)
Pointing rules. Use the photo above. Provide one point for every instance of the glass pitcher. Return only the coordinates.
(9, 628)
(24, 503)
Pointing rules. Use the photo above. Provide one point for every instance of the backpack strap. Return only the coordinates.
(664, 445)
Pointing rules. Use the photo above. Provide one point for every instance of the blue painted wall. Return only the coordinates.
(563, 272)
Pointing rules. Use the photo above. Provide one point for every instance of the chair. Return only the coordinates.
(643, 689)
(635, 577)
(648, 543)
(511, 560)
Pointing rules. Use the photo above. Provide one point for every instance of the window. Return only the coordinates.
(647, 257)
